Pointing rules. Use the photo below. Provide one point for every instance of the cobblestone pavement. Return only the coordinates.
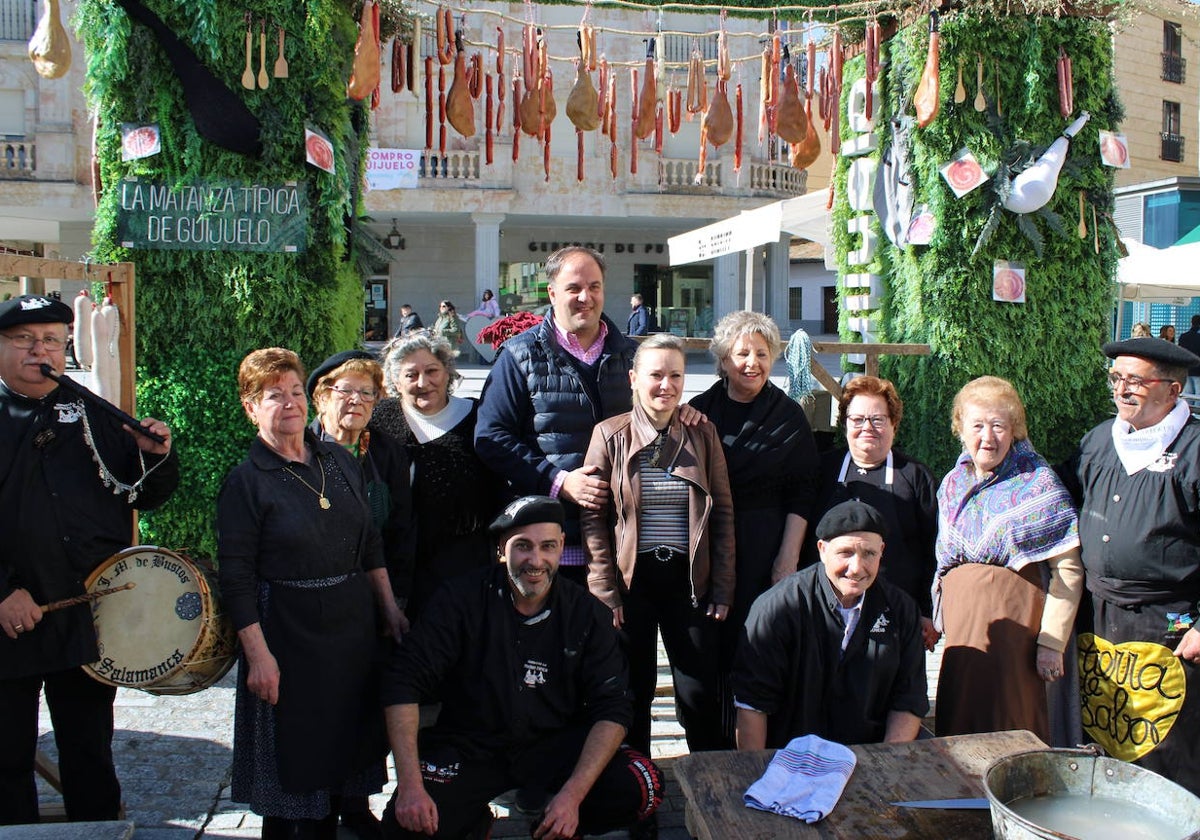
(173, 753)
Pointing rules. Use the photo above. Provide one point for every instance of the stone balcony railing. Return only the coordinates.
(18, 158)
(466, 170)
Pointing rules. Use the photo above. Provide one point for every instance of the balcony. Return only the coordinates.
(17, 19)
(1174, 68)
(18, 159)
(1172, 147)
(672, 176)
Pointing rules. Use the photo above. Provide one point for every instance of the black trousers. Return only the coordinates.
(660, 600)
(81, 711)
(629, 788)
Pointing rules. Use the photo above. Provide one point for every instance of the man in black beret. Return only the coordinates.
(833, 650)
(1136, 479)
(70, 478)
(534, 695)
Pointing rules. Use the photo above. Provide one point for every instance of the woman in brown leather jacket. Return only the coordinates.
(661, 550)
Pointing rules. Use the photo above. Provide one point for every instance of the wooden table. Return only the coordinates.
(936, 768)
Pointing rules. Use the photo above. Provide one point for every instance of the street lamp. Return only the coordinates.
(394, 241)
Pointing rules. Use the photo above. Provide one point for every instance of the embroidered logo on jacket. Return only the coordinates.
(535, 673)
(881, 624)
(69, 412)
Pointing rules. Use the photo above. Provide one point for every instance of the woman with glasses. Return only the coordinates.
(871, 469)
(773, 463)
(343, 390)
(661, 548)
(455, 496)
(1009, 576)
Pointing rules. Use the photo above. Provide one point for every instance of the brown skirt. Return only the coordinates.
(989, 680)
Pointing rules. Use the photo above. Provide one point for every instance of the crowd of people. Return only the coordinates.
(479, 585)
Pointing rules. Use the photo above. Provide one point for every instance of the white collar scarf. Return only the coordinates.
(1139, 448)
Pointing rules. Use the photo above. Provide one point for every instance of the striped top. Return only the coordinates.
(664, 506)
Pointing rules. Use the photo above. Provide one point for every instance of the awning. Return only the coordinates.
(805, 217)
(1159, 275)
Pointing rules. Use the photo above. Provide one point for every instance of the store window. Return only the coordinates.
(375, 308)
(523, 287)
(685, 301)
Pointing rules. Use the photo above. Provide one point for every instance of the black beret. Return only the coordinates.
(849, 517)
(527, 510)
(333, 363)
(34, 309)
(1154, 349)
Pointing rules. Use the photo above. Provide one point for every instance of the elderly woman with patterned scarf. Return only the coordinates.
(1009, 577)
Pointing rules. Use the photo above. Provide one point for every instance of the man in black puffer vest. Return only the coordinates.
(549, 387)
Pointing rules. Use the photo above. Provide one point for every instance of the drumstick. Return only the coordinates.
(83, 599)
(128, 419)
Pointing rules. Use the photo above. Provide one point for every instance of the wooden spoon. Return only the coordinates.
(281, 66)
(248, 73)
(960, 92)
(1082, 218)
(264, 81)
(1095, 231)
(980, 102)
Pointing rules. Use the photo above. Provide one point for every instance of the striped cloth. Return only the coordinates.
(804, 780)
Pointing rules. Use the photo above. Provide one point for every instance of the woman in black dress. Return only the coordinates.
(772, 461)
(454, 494)
(303, 579)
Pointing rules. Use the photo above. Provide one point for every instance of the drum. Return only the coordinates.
(167, 634)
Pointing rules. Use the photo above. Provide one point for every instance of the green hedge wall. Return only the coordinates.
(200, 312)
(940, 294)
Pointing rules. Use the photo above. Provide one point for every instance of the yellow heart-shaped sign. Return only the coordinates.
(1131, 694)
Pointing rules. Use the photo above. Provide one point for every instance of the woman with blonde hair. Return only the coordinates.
(661, 547)
(1009, 576)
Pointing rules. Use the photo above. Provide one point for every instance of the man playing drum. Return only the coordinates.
(70, 477)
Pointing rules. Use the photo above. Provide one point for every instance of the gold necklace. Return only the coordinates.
(321, 500)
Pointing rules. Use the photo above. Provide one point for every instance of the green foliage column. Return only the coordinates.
(941, 294)
(200, 312)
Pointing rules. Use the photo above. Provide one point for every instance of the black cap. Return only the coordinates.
(527, 510)
(34, 309)
(333, 363)
(849, 517)
(1154, 349)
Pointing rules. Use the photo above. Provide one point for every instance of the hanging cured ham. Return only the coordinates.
(460, 109)
(790, 122)
(648, 100)
(805, 153)
(49, 48)
(927, 100)
(583, 102)
(365, 77)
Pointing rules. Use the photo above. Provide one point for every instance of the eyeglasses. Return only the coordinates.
(367, 395)
(25, 341)
(1135, 383)
(861, 421)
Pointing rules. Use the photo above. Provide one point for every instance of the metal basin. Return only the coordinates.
(1079, 795)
